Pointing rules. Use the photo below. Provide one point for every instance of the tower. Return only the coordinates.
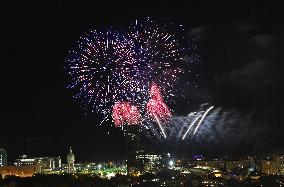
(71, 160)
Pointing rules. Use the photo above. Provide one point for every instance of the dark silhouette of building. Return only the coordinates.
(134, 147)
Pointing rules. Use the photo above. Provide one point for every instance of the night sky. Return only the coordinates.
(241, 69)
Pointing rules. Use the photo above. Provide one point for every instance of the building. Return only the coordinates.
(236, 165)
(70, 161)
(273, 165)
(44, 163)
(48, 163)
(24, 160)
(134, 147)
(252, 161)
(149, 162)
(214, 182)
(19, 171)
(244, 164)
(279, 165)
(207, 164)
(3, 157)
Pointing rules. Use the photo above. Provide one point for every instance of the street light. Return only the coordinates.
(171, 163)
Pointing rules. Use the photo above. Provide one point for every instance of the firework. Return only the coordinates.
(117, 74)
(124, 112)
(161, 49)
(156, 108)
(103, 70)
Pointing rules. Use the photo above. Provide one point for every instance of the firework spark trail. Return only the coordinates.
(160, 126)
(190, 126)
(151, 129)
(204, 115)
(180, 124)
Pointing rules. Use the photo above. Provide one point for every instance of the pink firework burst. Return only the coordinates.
(125, 113)
(156, 108)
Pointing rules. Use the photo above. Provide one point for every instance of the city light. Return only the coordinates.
(171, 163)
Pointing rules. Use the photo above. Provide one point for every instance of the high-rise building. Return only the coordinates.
(134, 147)
(3, 157)
(149, 162)
(70, 161)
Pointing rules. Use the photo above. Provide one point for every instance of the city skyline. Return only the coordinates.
(145, 167)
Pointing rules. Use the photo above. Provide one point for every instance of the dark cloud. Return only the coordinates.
(199, 32)
(263, 40)
(244, 27)
(251, 76)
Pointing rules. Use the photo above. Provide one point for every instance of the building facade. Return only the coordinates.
(44, 163)
(273, 165)
(207, 164)
(149, 162)
(3, 157)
